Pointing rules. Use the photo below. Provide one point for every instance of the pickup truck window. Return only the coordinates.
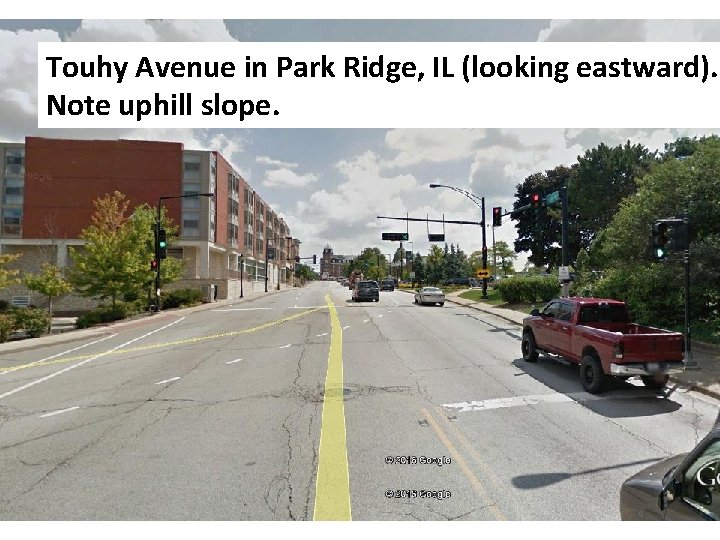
(565, 312)
(607, 313)
(551, 310)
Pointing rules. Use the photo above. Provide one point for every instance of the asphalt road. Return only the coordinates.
(219, 414)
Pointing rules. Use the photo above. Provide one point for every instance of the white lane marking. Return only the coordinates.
(65, 352)
(285, 346)
(366, 320)
(295, 307)
(244, 309)
(234, 361)
(321, 335)
(519, 401)
(389, 310)
(346, 327)
(380, 315)
(58, 412)
(56, 373)
(168, 380)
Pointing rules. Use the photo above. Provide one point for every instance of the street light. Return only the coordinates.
(242, 265)
(158, 222)
(480, 202)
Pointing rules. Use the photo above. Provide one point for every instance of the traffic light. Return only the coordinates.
(497, 216)
(314, 259)
(535, 200)
(162, 244)
(659, 240)
(153, 264)
(297, 259)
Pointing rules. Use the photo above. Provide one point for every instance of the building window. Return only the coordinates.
(15, 161)
(191, 224)
(248, 240)
(13, 192)
(191, 167)
(191, 188)
(11, 218)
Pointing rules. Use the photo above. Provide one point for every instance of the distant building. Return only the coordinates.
(331, 263)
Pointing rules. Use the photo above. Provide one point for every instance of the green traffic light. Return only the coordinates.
(163, 244)
(659, 253)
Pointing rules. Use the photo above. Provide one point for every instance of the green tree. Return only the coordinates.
(505, 256)
(109, 264)
(50, 282)
(691, 184)
(435, 265)
(8, 276)
(603, 177)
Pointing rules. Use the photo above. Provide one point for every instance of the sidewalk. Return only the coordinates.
(705, 380)
(64, 335)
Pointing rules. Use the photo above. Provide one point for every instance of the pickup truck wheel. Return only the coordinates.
(592, 375)
(655, 383)
(529, 350)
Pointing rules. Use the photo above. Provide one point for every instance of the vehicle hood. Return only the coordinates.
(653, 475)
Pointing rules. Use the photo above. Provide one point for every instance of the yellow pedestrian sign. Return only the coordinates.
(482, 274)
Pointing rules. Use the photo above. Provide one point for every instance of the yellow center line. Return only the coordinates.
(469, 448)
(476, 484)
(160, 345)
(332, 486)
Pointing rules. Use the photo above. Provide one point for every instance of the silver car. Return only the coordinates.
(429, 295)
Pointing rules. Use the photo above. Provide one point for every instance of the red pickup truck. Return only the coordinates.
(597, 334)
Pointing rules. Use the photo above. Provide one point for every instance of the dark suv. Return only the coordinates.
(387, 285)
(366, 290)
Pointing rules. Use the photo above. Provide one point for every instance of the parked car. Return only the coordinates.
(429, 295)
(366, 290)
(684, 487)
(597, 334)
(387, 285)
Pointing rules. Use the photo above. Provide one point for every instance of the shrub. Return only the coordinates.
(181, 297)
(528, 289)
(35, 322)
(88, 319)
(7, 325)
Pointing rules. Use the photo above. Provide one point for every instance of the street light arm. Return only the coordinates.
(474, 198)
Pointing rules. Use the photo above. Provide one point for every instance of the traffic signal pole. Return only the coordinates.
(565, 218)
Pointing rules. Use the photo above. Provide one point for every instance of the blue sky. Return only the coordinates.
(331, 184)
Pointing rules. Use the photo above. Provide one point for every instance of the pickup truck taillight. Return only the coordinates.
(618, 350)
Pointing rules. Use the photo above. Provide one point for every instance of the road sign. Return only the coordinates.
(482, 274)
(436, 237)
(395, 237)
(553, 198)
(564, 272)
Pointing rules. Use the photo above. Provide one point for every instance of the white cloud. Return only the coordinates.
(151, 30)
(267, 160)
(287, 178)
(418, 145)
(630, 30)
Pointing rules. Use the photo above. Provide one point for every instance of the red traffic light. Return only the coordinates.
(535, 198)
(153, 264)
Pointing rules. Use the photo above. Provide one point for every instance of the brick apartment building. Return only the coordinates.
(331, 263)
(49, 187)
